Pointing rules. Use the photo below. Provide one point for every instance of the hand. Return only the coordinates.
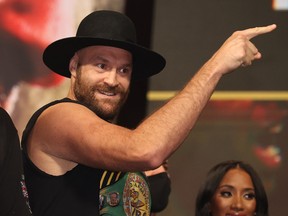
(156, 171)
(238, 50)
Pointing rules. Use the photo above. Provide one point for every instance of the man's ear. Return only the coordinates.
(73, 65)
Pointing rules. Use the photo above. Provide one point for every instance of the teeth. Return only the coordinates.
(107, 93)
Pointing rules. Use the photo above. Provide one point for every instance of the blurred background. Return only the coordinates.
(246, 118)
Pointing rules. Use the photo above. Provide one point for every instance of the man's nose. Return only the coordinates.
(111, 78)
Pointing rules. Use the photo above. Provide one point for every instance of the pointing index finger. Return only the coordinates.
(253, 32)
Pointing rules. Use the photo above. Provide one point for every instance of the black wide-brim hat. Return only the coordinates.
(105, 28)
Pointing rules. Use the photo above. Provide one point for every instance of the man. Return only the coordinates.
(13, 196)
(73, 150)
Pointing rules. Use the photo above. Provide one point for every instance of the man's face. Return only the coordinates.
(235, 195)
(102, 79)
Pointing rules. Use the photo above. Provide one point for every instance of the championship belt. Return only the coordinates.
(129, 196)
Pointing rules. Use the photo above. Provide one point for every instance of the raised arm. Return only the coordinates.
(76, 134)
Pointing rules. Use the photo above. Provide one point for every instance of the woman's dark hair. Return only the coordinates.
(214, 177)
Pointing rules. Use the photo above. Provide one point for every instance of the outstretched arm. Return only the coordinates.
(73, 133)
(172, 123)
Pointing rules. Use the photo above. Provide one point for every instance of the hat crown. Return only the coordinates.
(109, 25)
(104, 28)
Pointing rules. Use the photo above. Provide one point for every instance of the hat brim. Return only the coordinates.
(59, 53)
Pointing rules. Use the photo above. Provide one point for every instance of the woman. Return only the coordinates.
(232, 188)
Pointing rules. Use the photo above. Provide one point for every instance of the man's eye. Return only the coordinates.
(125, 70)
(225, 194)
(102, 66)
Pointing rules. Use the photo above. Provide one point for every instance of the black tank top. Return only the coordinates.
(74, 193)
(77, 192)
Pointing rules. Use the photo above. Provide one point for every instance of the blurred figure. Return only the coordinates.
(26, 27)
(13, 196)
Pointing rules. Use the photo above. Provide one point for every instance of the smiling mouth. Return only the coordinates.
(106, 93)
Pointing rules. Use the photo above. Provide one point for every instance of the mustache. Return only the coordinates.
(107, 88)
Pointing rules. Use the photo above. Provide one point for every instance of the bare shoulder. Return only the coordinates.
(63, 123)
(61, 136)
(65, 117)
(55, 127)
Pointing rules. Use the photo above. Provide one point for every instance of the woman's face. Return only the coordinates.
(235, 195)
